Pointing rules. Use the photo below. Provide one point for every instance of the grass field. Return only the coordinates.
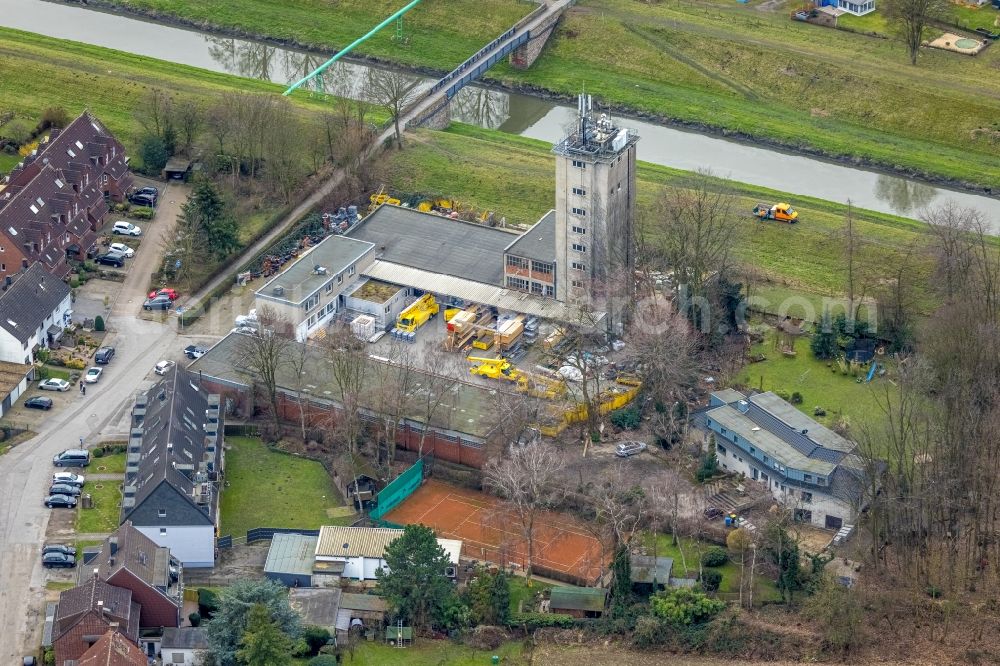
(425, 652)
(266, 488)
(107, 507)
(8, 161)
(463, 162)
(712, 62)
(520, 592)
(840, 395)
(40, 72)
(114, 464)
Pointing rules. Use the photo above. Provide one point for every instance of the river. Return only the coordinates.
(513, 113)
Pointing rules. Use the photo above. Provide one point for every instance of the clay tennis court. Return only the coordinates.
(491, 532)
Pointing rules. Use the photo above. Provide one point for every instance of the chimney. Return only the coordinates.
(113, 545)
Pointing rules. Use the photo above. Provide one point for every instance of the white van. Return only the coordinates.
(126, 229)
(626, 449)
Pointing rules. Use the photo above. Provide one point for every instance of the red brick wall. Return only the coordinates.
(156, 611)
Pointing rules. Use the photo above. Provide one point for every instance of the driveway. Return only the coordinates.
(26, 469)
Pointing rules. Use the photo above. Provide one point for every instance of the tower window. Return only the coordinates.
(577, 283)
(577, 266)
(579, 164)
(579, 230)
(517, 262)
(550, 291)
(580, 191)
(577, 247)
(580, 211)
(541, 267)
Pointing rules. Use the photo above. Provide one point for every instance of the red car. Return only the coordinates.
(172, 293)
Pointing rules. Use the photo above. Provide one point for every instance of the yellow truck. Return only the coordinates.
(417, 313)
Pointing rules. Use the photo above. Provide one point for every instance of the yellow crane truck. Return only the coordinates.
(417, 313)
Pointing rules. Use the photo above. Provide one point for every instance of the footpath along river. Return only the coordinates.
(513, 113)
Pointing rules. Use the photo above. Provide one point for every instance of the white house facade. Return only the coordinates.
(362, 549)
(34, 309)
(804, 465)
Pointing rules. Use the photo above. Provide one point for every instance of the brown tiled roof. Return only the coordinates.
(136, 552)
(95, 595)
(113, 649)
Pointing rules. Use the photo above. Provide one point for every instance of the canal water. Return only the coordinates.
(516, 114)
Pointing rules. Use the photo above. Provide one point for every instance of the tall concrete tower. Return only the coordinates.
(595, 215)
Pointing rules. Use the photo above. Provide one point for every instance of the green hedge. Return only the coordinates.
(531, 621)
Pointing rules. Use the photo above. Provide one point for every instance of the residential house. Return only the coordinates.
(805, 465)
(54, 202)
(361, 550)
(113, 649)
(651, 573)
(13, 383)
(578, 601)
(35, 306)
(87, 612)
(183, 645)
(129, 559)
(173, 465)
(312, 289)
(855, 7)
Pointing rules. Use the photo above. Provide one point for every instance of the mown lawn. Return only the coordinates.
(425, 652)
(803, 259)
(820, 383)
(520, 592)
(267, 488)
(104, 516)
(8, 161)
(114, 464)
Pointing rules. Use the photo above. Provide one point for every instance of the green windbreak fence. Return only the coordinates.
(401, 487)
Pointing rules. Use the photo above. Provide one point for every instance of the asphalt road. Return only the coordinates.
(26, 470)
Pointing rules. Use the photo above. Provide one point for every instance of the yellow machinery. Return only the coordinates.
(781, 212)
(417, 313)
(533, 384)
(472, 324)
(624, 390)
(450, 313)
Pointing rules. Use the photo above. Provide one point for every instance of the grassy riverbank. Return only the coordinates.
(738, 68)
(515, 177)
(39, 72)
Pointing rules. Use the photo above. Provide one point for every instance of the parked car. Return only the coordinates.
(93, 375)
(626, 449)
(57, 559)
(60, 501)
(59, 548)
(68, 477)
(72, 458)
(163, 367)
(38, 402)
(149, 189)
(126, 229)
(169, 293)
(158, 303)
(192, 351)
(122, 249)
(104, 355)
(64, 489)
(54, 384)
(143, 199)
(116, 260)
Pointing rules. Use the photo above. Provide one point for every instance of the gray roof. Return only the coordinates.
(371, 603)
(184, 638)
(291, 554)
(538, 242)
(172, 453)
(316, 605)
(646, 568)
(301, 279)
(25, 304)
(783, 433)
(434, 243)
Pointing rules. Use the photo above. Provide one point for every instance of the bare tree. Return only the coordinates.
(694, 228)
(283, 152)
(299, 360)
(526, 479)
(910, 17)
(190, 119)
(620, 503)
(393, 91)
(154, 112)
(434, 390)
(392, 384)
(265, 354)
(348, 361)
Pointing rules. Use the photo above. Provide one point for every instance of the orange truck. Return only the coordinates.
(781, 212)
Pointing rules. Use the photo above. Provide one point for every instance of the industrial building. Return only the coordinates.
(574, 266)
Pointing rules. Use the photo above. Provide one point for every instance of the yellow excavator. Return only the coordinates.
(533, 384)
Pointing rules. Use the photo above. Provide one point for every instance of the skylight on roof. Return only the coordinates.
(12, 230)
(33, 208)
(69, 151)
(40, 201)
(59, 183)
(12, 323)
(79, 145)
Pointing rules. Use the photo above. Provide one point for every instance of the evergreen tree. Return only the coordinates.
(824, 338)
(488, 597)
(413, 582)
(204, 217)
(621, 581)
(231, 620)
(263, 642)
